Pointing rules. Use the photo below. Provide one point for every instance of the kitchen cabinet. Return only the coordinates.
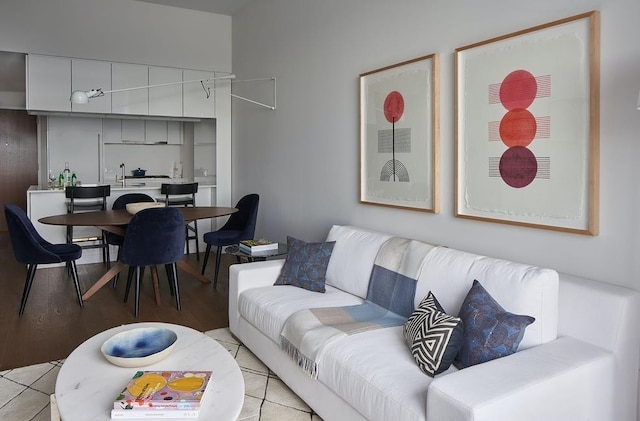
(155, 131)
(111, 130)
(133, 131)
(48, 83)
(174, 133)
(195, 101)
(165, 100)
(76, 141)
(135, 101)
(91, 74)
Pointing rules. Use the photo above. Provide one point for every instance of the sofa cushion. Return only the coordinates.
(490, 332)
(375, 373)
(352, 258)
(433, 336)
(305, 265)
(519, 288)
(267, 308)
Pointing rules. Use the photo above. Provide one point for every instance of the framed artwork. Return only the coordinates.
(399, 145)
(527, 127)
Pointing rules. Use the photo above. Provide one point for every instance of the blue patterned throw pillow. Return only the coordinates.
(490, 331)
(306, 264)
(433, 336)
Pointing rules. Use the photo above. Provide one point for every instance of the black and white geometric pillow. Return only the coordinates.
(433, 336)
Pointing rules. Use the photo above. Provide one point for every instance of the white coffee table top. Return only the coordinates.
(87, 383)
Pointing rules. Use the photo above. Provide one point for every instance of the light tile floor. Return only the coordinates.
(26, 392)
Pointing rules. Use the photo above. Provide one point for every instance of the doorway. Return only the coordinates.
(18, 158)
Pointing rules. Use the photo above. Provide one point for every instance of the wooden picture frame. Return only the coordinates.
(399, 135)
(527, 127)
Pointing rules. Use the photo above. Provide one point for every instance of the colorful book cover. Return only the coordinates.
(251, 246)
(162, 391)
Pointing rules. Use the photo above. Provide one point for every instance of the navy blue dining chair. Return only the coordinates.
(121, 203)
(31, 249)
(154, 237)
(240, 226)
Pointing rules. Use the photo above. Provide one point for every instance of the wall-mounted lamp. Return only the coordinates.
(83, 97)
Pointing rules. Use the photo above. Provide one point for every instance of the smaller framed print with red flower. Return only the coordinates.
(399, 135)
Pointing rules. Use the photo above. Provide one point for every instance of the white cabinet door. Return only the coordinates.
(111, 130)
(133, 131)
(165, 100)
(174, 133)
(75, 140)
(91, 74)
(155, 131)
(196, 103)
(125, 76)
(48, 83)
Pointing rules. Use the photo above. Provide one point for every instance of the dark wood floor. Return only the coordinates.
(53, 323)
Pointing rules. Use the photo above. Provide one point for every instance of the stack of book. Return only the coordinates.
(257, 246)
(162, 394)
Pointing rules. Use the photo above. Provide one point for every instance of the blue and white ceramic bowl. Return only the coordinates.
(139, 347)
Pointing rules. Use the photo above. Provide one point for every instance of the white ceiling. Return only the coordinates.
(222, 7)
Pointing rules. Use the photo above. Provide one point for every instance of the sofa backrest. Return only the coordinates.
(518, 288)
(352, 258)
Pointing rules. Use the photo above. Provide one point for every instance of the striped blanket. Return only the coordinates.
(389, 303)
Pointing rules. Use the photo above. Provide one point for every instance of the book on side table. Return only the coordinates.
(255, 246)
(162, 394)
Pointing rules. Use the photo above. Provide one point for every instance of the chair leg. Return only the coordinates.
(129, 278)
(74, 272)
(186, 236)
(206, 257)
(167, 268)
(115, 278)
(195, 231)
(31, 271)
(218, 258)
(137, 292)
(176, 288)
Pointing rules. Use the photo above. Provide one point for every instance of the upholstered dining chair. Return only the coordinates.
(182, 194)
(240, 226)
(31, 249)
(88, 198)
(154, 237)
(121, 203)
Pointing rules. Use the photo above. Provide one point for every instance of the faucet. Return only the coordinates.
(122, 179)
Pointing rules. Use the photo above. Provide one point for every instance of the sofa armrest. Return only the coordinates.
(246, 276)
(566, 379)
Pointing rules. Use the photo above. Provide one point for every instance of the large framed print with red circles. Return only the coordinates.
(527, 127)
(399, 135)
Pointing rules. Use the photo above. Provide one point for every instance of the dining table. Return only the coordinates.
(116, 221)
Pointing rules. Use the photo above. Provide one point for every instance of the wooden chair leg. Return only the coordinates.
(31, 271)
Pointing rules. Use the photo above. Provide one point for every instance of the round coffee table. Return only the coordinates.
(87, 383)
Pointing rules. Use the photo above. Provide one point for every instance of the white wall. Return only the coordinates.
(117, 30)
(303, 158)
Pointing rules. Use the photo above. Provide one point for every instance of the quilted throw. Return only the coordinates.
(389, 303)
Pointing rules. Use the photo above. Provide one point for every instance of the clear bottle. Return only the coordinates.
(67, 174)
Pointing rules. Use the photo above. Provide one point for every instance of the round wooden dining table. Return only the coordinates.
(116, 221)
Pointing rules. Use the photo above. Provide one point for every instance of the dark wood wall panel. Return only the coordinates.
(18, 158)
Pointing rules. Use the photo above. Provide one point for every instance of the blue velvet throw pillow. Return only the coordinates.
(433, 336)
(490, 331)
(306, 264)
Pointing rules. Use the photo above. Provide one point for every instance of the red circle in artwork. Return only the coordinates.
(518, 90)
(518, 167)
(518, 127)
(393, 106)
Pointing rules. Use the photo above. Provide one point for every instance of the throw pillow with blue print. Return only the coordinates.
(490, 331)
(433, 336)
(306, 264)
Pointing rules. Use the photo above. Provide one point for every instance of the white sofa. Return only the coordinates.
(577, 361)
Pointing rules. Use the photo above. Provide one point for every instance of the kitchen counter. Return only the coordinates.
(46, 202)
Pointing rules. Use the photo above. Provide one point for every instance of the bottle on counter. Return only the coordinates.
(67, 174)
(74, 179)
(61, 181)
